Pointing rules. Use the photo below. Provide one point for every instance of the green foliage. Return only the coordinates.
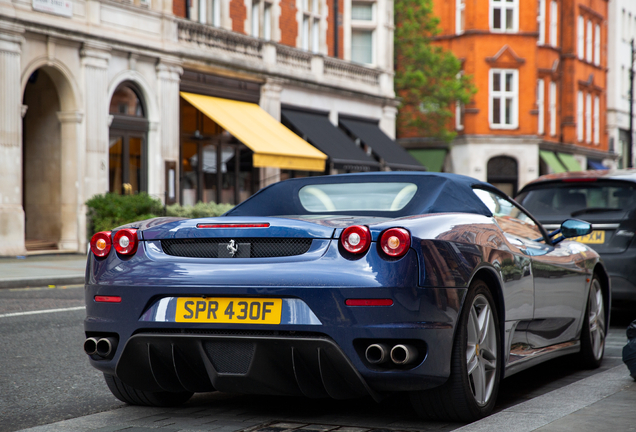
(427, 77)
(109, 211)
(198, 210)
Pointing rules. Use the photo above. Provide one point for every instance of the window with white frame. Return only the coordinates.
(541, 21)
(210, 12)
(579, 116)
(580, 37)
(553, 23)
(310, 31)
(541, 107)
(261, 19)
(597, 45)
(588, 42)
(363, 24)
(460, 16)
(504, 95)
(504, 15)
(588, 118)
(597, 121)
(553, 109)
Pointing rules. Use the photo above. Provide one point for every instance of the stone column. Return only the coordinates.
(11, 211)
(270, 102)
(168, 77)
(95, 58)
(73, 210)
(387, 122)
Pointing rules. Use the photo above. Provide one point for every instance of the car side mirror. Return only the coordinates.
(571, 228)
(575, 228)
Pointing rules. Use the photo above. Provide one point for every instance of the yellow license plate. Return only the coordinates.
(595, 237)
(229, 310)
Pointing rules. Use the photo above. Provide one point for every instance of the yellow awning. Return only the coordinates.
(272, 143)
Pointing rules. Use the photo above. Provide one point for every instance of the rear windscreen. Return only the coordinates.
(560, 201)
(337, 197)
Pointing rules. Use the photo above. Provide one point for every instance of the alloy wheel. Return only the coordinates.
(481, 350)
(596, 319)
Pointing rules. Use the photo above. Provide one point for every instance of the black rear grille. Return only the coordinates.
(246, 247)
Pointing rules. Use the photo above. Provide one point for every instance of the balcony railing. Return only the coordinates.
(279, 58)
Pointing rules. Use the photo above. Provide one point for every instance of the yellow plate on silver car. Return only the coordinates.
(595, 237)
(226, 310)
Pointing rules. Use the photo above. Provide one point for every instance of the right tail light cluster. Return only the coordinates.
(394, 242)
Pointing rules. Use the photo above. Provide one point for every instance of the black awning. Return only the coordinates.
(394, 156)
(322, 134)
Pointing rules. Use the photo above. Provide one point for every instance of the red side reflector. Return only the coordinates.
(234, 225)
(369, 302)
(108, 299)
(579, 180)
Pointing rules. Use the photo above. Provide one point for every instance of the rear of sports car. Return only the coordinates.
(315, 307)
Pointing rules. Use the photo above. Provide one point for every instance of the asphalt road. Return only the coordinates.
(45, 377)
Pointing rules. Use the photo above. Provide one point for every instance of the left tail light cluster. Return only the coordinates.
(124, 241)
(393, 242)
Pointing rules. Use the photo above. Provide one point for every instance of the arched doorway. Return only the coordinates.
(127, 152)
(52, 193)
(42, 156)
(503, 174)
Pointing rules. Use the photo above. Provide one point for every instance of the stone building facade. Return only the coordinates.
(91, 98)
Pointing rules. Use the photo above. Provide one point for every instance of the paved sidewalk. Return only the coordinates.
(604, 401)
(42, 270)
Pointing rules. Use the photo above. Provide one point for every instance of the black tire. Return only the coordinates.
(456, 399)
(594, 328)
(133, 396)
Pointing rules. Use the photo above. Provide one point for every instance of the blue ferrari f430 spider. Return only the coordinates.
(436, 285)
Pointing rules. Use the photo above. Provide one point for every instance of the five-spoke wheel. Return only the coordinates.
(594, 327)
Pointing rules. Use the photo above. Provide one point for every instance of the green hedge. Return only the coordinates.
(109, 211)
(198, 210)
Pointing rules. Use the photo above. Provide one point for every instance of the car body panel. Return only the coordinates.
(320, 341)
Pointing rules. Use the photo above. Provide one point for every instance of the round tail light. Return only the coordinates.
(356, 239)
(395, 242)
(101, 243)
(125, 241)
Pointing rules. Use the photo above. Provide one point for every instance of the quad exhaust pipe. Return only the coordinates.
(102, 347)
(401, 354)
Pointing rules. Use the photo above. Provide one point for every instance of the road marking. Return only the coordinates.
(44, 311)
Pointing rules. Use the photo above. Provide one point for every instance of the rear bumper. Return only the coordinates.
(325, 359)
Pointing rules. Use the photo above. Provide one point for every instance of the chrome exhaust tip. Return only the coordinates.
(105, 346)
(403, 354)
(90, 346)
(377, 353)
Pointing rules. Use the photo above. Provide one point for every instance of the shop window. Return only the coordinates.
(502, 172)
(127, 142)
(503, 98)
(504, 15)
(363, 25)
(215, 167)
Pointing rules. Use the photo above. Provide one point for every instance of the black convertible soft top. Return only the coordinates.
(436, 193)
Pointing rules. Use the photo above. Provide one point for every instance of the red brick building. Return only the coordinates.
(540, 70)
